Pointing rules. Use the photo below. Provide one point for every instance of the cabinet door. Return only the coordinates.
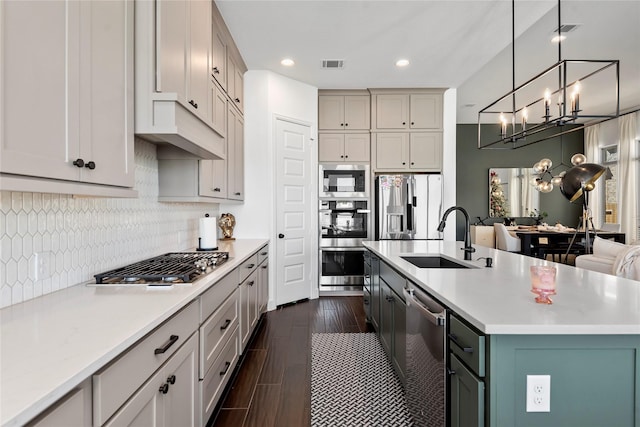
(331, 112)
(171, 47)
(386, 317)
(198, 60)
(38, 128)
(235, 154)
(391, 151)
(357, 112)
(331, 147)
(238, 92)
(263, 287)
(426, 111)
(375, 292)
(248, 307)
(425, 151)
(219, 57)
(106, 92)
(181, 403)
(466, 396)
(356, 147)
(217, 109)
(213, 178)
(231, 76)
(392, 111)
(73, 410)
(144, 408)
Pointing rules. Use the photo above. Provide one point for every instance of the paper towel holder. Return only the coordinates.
(200, 248)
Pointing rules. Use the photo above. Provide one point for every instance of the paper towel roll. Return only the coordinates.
(208, 230)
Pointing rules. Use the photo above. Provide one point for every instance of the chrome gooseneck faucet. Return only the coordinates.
(468, 249)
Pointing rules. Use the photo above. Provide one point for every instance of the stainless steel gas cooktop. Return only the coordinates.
(164, 270)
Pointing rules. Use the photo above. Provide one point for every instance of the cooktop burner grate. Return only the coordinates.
(170, 268)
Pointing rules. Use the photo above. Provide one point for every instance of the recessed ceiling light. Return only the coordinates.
(287, 62)
(402, 62)
(557, 39)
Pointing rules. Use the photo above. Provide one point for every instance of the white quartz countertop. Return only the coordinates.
(51, 344)
(498, 300)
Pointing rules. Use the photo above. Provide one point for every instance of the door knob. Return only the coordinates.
(280, 236)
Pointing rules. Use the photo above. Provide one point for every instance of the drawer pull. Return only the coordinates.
(226, 368)
(251, 283)
(164, 348)
(389, 298)
(164, 388)
(226, 325)
(171, 379)
(451, 371)
(454, 339)
(264, 266)
(250, 266)
(263, 253)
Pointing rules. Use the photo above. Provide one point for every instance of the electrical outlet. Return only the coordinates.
(538, 393)
(40, 266)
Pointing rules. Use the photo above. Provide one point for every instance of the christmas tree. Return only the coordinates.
(497, 201)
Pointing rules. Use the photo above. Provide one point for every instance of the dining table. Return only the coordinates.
(536, 241)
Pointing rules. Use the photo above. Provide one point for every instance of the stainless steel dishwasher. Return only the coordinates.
(426, 365)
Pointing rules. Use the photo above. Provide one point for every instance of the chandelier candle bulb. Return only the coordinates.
(560, 104)
(547, 104)
(525, 116)
(503, 126)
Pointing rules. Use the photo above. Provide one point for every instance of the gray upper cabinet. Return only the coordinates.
(343, 112)
(406, 109)
(219, 54)
(66, 113)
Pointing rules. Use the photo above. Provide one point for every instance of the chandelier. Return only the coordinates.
(557, 101)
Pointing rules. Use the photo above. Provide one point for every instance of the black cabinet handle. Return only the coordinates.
(215, 70)
(404, 123)
(346, 157)
(404, 163)
(341, 124)
(251, 283)
(164, 348)
(226, 324)
(412, 123)
(237, 100)
(164, 388)
(412, 163)
(216, 189)
(194, 103)
(451, 371)
(226, 368)
(263, 253)
(366, 302)
(237, 194)
(79, 163)
(250, 266)
(264, 266)
(342, 157)
(91, 165)
(171, 379)
(281, 236)
(454, 339)
(389, 298)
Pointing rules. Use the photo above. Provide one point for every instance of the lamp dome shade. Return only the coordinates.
(580, 178)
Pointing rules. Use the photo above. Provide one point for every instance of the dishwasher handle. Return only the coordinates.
(437, 319)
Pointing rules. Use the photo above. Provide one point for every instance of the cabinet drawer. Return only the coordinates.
(113, 385)
(248, 267)
(393, 279)
(216, 331)
(466, 396)
(217, 294)
(263, 254)
(218, 376)
(468, 345)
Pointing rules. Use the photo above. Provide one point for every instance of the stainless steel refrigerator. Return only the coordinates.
(408, 206)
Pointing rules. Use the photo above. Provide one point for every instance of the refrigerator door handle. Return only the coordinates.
(409, 217)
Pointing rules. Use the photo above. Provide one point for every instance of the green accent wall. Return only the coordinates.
(472, 176)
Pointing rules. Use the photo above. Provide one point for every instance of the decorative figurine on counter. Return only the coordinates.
(226, 223)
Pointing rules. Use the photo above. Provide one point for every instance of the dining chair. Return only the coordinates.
(504, 240)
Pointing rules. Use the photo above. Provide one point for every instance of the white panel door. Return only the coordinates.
(294, 211)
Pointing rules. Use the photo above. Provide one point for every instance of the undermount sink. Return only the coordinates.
(432, 262)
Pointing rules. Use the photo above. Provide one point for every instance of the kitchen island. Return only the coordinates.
(55, 343)
(587, 341)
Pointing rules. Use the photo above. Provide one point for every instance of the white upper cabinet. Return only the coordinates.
(343, 112)
(66, 112)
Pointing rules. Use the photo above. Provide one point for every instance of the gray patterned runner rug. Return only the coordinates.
(353, 383)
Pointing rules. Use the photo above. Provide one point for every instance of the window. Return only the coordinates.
(609, 156)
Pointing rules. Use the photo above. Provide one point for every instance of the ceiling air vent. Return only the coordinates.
(333, 63)
(565, 28)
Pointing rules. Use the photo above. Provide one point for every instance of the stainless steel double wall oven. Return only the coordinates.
(344, 222)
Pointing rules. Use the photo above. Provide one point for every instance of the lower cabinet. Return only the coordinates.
(466, 396)
(169, 397)
(73, 410)
(393, 317)
(263, 280)
(375, 292)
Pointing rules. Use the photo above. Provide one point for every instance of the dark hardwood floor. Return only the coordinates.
(273, 384)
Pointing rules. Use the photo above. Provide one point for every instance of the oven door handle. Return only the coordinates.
(325, 211)
(363, 211)
(333, 249)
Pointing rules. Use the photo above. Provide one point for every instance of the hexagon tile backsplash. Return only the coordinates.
(84, 236)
